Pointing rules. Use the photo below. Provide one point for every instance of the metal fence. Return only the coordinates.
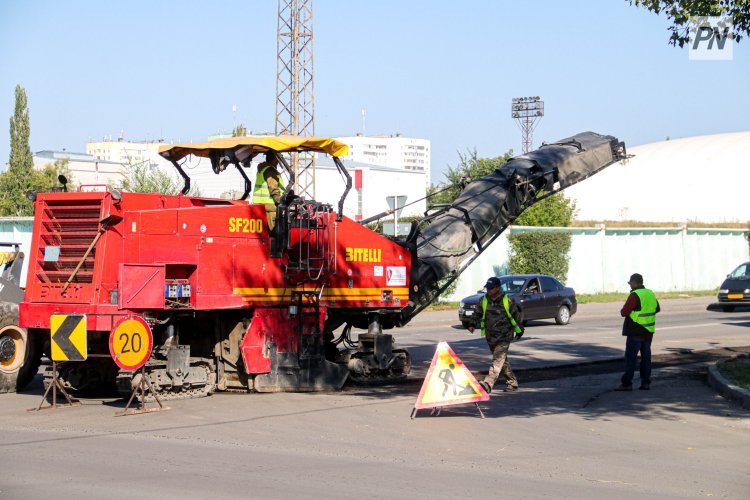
(602, 259)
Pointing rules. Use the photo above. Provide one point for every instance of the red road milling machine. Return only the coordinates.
(237, 306)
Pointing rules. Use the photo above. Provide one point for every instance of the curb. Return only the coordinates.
(726, 388)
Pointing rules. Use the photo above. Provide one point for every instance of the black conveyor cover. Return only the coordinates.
(455, 237)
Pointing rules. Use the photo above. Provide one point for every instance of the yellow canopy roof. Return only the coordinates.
(257, 144)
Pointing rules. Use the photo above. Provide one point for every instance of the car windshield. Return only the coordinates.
(512, 285)
(741, 273)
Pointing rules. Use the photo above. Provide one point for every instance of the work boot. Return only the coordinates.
(511, 388)
(621, 388)
(645, 387)
(485, 386)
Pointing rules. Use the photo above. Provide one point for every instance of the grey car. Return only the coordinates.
(538, 296)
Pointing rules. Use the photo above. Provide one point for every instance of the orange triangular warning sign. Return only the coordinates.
(449, 382)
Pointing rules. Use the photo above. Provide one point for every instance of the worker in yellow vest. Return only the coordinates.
(268, 188)
(500, 324)
(639, 326)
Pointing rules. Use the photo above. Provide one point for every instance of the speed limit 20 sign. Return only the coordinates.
(130, 343)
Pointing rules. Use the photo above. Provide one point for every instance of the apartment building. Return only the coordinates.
(394, 151)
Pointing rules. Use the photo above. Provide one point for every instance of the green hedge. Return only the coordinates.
(544, 253)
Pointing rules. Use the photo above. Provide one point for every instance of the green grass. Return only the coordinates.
(620, 297)
(737, 371)
(598, 297)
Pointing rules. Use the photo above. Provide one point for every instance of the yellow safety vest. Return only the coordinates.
(646, 317)
(261, 194)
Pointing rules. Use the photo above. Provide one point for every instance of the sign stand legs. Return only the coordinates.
(435, 411)
(54, 386)
(481, 413)
(140, 388)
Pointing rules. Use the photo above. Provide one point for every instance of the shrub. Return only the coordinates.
(544, 253)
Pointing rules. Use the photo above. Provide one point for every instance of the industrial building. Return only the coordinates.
(394, 151)
(696, 179)
(400, 168)
(371, 185)
(122, 151)
(702, 178)
(84, 168)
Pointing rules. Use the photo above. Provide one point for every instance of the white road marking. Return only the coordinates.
(689, 326)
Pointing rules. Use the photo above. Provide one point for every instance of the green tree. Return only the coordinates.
(18, 179)
(239, 131)
(544, 252)
(680, 11)
(470, 167)
(141, 178)
(554, 211)
(47, 178)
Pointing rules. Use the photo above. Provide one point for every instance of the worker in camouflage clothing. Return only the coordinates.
(499, 322)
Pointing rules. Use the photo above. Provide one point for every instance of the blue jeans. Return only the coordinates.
(632, 347)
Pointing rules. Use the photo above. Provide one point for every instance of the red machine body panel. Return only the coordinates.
(142, 286)
(216, 254)
(279, 327)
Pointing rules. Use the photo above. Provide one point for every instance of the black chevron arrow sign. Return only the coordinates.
(68, 337)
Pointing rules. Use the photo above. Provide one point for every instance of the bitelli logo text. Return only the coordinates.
(354, 254)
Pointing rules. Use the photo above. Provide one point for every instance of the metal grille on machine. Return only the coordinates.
(66, 232)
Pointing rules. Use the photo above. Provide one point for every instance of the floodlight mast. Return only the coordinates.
(527, 111)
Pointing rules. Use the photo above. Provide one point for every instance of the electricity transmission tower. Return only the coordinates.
(527, 111)
(295, 96)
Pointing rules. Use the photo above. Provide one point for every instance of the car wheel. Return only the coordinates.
(727, 309)
(563, 316)
(465, 324)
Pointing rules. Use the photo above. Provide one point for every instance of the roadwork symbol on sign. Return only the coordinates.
(68, 337)
(130, 343)
(448, 382)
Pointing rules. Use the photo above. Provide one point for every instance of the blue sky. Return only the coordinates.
(441, 70)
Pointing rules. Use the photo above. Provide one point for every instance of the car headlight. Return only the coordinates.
(724, 290)
(462, 305)
(747, 290)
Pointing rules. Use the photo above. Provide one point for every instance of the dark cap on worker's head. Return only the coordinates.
(636, 278)
(492, 283)
(271, 158)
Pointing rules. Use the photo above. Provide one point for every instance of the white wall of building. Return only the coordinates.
(392, 151)
(84, 168)
(680, 180)
(125, 152)
(602, 260)
(378, 183)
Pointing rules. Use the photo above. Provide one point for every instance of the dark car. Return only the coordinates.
(735, 290)
(538, 296)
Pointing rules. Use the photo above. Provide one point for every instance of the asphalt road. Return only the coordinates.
(593, 334)
(568, 436)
